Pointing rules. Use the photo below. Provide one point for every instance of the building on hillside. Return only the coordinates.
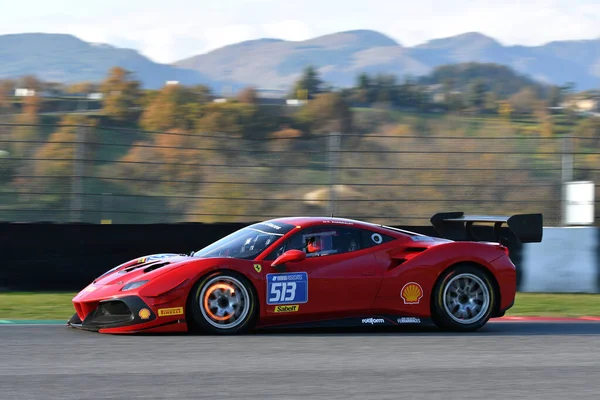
(588, 102)
(24, 92)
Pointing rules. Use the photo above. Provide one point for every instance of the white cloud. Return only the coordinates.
(288, 30)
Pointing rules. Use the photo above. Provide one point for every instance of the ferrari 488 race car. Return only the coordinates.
(315, 272)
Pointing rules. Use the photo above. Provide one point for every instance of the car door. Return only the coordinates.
(337, 275)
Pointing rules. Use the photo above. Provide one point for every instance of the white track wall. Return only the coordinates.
(567, 260)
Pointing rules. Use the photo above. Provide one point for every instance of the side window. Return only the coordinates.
(321, 241)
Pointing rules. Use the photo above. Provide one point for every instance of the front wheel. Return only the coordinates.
(223, 303)
(463, 299)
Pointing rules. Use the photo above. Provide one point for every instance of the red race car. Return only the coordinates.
(315, 272)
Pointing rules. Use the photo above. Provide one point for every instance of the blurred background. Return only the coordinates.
(469, 136)
(144, 127)
(119, 123)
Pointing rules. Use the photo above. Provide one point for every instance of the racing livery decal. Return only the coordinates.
(144, 313)
(373, 321)
(155, 257)
(166, 312)
(257, 268)
(284, 309)
(408, 320)
(412, 293)
(287, 288)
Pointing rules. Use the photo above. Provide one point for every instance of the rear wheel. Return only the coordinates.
(223, 303)
(463, 299)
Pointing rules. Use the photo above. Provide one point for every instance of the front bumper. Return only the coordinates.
(128, 314)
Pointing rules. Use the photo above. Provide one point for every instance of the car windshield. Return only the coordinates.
(246, 243)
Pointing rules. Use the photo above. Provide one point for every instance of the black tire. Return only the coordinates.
(448, 300)
(239, 318)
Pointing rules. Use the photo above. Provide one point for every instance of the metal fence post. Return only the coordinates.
(334, 154)
(78, 170)
(567, 158)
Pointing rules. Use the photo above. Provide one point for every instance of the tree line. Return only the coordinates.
(467, 88)
(467, 99)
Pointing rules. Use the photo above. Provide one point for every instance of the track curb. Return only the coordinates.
(4, 322)
(546, 319)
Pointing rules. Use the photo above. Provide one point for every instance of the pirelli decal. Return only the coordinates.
(167, 312)
(290, 308)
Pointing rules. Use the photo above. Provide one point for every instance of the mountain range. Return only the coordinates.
(276, 64)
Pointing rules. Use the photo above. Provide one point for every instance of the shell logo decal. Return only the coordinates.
(144, 313)
(412, 293)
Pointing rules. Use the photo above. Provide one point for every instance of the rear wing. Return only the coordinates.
(522, 228)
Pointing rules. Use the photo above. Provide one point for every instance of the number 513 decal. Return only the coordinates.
(289, 288)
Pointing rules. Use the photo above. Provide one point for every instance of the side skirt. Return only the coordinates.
(353, 322)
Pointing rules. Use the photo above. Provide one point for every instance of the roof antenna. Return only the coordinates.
(332, 201)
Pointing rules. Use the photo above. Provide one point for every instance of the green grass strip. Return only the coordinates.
(58, 306)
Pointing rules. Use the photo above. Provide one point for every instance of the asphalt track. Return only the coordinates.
(505, 360)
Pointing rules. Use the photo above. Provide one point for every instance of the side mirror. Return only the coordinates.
(289, 256)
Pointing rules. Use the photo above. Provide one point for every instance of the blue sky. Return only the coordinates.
(168, 30)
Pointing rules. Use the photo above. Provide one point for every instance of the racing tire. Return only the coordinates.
(222, 303)
(463, 299)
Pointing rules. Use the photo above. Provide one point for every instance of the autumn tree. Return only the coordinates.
(231, 117)
(6, 91)
(524, 101)
(365, 92)
(201, 93)
(308, 86)
(554, 97)
(6, 166)
(54, 163)
(168, 164)
(121, 94)
(476, 94)
(326, 113)
(82, 88)
(30, 82)
(26, 131)
(589, 128)
(248, 95)
(167, 109)
(491, 102)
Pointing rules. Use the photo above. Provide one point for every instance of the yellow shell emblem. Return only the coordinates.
(412, 293)
(257, 267)
(144, 313)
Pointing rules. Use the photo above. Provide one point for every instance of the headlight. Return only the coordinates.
(133, 285)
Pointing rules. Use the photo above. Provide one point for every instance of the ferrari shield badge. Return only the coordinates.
(257, 267)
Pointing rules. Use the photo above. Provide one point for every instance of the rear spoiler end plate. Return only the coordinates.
(522, 228)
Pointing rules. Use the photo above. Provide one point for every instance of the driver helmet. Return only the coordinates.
(312, 246)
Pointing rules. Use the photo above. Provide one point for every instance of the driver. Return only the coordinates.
(312, 246)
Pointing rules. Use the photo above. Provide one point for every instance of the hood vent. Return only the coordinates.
(137, 266)
(155, 266)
